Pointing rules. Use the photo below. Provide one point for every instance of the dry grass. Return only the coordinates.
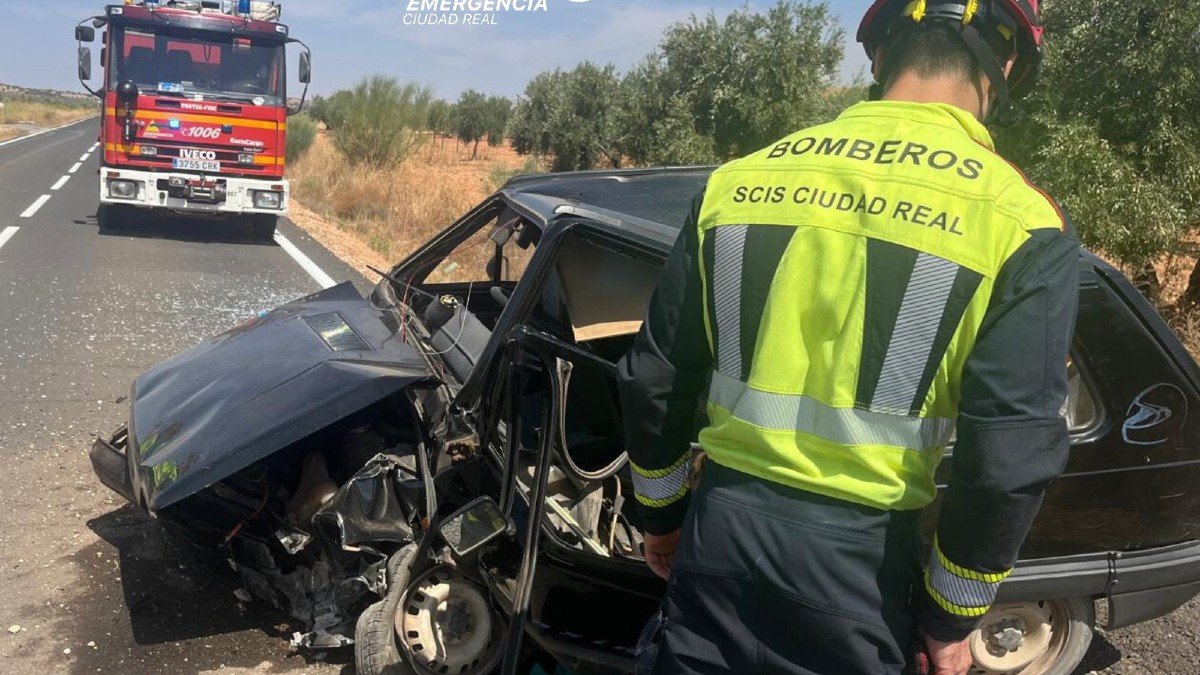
(1186, 324)
(395, 210)
(41, 113)
(6, 134)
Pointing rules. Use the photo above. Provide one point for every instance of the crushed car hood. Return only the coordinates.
(231, 401)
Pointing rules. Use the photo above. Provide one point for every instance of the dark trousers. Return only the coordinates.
(769, 579)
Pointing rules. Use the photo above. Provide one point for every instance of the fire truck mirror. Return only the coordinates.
(85, 33)
(305, 73)
(85, 63)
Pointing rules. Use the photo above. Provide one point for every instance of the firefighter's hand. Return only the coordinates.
(947, 658)
(660, 551)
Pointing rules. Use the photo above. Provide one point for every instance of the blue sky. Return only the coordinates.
(354, 38)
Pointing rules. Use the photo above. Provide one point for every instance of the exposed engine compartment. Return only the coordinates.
(310, 528)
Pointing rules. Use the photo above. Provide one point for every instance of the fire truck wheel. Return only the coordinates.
(262, 225)
(110, 216)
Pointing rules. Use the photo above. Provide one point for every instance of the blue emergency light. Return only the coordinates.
(243, 6)
(173, 123)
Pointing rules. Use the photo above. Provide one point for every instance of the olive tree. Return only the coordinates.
(755, 76)
(712, 90)
(471, 119)
(1113, 130)
(570, 116)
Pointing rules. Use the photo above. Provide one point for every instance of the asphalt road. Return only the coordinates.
(89, 584)
(82, 312)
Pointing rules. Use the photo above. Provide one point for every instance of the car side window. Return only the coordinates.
(595, 295)
(1080, 410)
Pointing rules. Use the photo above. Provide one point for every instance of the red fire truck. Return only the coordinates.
(195, 107)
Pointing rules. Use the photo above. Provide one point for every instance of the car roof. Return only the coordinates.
(650, 202)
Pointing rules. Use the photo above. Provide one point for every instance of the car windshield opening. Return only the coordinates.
(458, 296)
(171, 62)
(503, 237)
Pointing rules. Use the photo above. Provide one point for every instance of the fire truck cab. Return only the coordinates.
(195, 107)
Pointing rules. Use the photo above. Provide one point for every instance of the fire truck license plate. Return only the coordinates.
(206, 165)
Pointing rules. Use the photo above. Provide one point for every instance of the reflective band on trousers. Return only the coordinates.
(847, 426)
(959, 590)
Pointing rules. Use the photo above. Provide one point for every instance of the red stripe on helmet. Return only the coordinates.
(864, 27)
(1026, 14)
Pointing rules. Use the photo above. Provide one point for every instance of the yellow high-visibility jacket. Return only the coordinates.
(846, 298)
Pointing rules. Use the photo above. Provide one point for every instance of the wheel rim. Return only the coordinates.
(445, 625)
(1021, 638)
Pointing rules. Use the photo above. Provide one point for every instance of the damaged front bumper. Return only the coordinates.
(109, 462)
(322, 574)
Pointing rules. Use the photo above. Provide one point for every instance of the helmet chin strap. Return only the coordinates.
(1002, 112)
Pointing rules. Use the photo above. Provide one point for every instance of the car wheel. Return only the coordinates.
(440, 622)
(1048, 637)
(375, 650)
(262, 226)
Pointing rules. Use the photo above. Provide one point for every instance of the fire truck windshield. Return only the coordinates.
(176, 62)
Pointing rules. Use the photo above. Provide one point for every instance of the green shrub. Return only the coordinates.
(301, 130)
(381, 121)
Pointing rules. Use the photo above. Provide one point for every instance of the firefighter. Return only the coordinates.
(847, 299)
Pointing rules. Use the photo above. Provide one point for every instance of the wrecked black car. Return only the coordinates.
(436, 472)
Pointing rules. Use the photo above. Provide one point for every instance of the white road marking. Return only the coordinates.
(33, 208)
(94, 146)
(7, 234)
(83, 158)
(309, 266)
(75, 168)
(43, 131)
(61, 182)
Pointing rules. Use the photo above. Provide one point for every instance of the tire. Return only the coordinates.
(110, 216)
(375, 651)
(438, 599)
(262, 226)
(1070, 623)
